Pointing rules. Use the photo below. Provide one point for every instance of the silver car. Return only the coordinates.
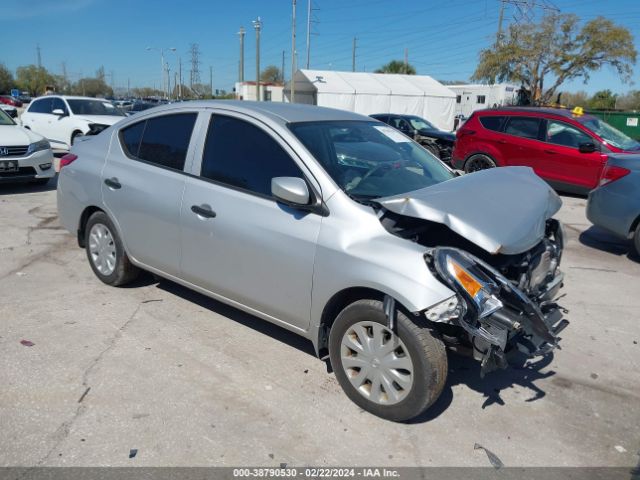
(332, 225)
(615, 204)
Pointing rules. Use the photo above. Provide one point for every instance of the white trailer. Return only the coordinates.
(472, 97)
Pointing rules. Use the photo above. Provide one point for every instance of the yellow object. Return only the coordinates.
(577, 111)
(466, 280)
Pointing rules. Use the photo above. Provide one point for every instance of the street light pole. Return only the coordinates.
(164, 71)
(257, 24)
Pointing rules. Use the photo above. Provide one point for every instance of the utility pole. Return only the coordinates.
(406, 60)
(308, 32)
(180, 78)
(257, 24)
(65, 77)
(175, 81)
(195, 65)
(211, 80)
(293, 53)
(128, 88)
(499, 34)
(353, 55)
(241, 32)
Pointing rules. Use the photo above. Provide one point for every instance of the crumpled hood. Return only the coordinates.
(502, 210)
(439, 134)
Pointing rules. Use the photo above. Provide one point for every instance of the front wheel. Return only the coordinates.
(477, 162)
(394, 375)
(105, 252)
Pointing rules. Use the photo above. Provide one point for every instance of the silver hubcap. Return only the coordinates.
(377, 363)
(102, 249)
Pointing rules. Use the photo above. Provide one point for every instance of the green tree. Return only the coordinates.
(271, 74)
(577, 99)
(629, 101)
(6, 79)
(91, 87)
(602, 100)
(559, 50)
(34, 79)
(397, 66)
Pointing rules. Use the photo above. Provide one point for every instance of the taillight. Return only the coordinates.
(67, 159)
(611, 173)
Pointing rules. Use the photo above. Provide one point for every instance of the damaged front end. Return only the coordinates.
(496, 313)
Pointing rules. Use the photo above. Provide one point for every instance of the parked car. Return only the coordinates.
(25, 97)
(63, 119)
(24, 155)
(9, 100)
(615, 204)
(140, 107)
(380, 258)
(437, 141)
(567, 149)
(9, 110)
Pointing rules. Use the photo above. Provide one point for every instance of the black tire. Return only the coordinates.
(433, 149)
(635, 245)
(478, 162)
(124, 271)
(76, 135)
(426, 351)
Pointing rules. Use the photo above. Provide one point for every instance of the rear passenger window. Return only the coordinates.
(526, 127)
(160, 140)
(41, 106)
(242, 155)
(131, 137)
(492, 122)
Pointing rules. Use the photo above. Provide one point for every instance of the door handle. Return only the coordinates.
(550, 152)
(205, 212)
(502, 141)
(112, 183)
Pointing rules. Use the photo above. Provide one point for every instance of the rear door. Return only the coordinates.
(562, 160)
(237, 240)
(143, 182)
(521, 144)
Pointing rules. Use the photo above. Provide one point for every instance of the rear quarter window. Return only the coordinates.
(492, 122)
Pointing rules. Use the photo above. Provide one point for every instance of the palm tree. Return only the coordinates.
(397, 66)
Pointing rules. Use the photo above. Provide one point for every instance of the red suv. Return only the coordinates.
(567, 149)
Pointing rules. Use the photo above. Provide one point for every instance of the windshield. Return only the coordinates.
(94, 107)
(368, 160)
(5, 119)
(420, 123)
(610, 134)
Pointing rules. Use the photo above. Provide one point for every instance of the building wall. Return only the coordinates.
(247, 91)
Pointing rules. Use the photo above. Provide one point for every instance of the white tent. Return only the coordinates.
(369, 93)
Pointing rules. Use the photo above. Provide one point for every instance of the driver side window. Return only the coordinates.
(561, 133)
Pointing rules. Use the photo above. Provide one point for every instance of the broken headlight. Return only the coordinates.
(461, 272)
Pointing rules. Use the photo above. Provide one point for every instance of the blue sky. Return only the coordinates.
(443, 37)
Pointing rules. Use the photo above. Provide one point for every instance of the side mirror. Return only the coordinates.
(588, 147)
(290, 190)
(59, 112)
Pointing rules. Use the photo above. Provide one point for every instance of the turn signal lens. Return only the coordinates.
(67, 159)
(466, 281)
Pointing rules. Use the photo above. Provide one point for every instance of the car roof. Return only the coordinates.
(561, 112)
(71, 97)
(279, 112)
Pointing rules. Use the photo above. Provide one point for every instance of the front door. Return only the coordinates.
(237, 240)
(562, 160)
(143, 182)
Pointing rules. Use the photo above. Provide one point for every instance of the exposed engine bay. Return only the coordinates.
(504, 302)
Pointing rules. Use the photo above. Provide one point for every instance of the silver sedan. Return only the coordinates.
(329, 224)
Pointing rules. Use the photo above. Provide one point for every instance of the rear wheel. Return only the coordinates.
(635, 246)
(105, 252)
(394, 375)
(477, 162)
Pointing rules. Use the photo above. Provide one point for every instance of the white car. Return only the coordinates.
(24, 155)
(62, 119)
